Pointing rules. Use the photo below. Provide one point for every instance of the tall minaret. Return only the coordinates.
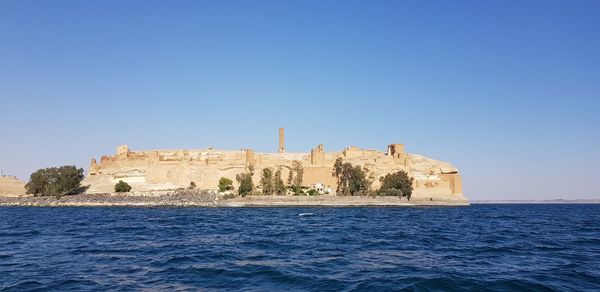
(281, 141)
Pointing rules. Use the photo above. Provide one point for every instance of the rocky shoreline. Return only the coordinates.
(201, 198)
(175, 199)
(553, 201)
(341, 201)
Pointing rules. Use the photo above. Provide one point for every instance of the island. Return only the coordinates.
(191, 177)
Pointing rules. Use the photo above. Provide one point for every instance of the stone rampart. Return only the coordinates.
(157, 170)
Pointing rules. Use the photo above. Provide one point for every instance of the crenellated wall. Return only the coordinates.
(170, 169)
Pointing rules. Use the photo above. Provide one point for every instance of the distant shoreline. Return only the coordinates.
(555, 201)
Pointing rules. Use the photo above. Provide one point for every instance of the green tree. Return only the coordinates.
(278, 183)
(55, 181)
(352, 180)
(290, 177)
(225, 184)
(266, 182)
(358, 182)
(297, 191)
(245, 181)
(370, 178)
(313, 192)
(122, 187)
(337, 171)
(396, 184)
(298, 173)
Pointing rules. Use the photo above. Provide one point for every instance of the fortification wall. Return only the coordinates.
(170, 169)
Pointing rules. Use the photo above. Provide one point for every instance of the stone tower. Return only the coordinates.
(281, 141)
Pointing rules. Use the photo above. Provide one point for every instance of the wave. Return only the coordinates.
(483, 247)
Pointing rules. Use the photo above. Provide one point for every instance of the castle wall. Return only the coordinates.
(170, 169)
(317, 155)
(396, 150)
(454, 182)
(319, 174)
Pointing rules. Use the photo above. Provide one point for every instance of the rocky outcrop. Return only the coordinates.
(11, 186)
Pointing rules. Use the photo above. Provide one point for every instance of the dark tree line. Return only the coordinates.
(353, 180)
(272, 184)
(396, 184)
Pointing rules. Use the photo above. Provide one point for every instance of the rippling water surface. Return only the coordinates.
(482, 247)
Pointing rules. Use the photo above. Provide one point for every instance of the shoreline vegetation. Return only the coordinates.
(61, 186)
(208, 198)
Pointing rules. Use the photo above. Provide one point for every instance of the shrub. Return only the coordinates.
(122, 187)
(55, 181)
(245, 181)
(229, 196)
(313, 192)
(396, 184)
(225, 184)
(297, 191)
(192, 185)
(246, 185)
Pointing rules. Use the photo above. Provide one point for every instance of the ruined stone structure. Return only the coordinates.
(170, 169)
(281, 141)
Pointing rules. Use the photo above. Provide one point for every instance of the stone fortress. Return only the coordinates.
(158, 170)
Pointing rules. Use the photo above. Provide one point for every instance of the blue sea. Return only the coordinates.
(481, 247)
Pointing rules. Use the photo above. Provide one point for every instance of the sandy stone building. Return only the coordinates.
(154, 170)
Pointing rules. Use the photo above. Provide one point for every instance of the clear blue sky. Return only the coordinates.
(508, 91)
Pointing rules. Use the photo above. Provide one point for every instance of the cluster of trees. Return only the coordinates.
(295, 178)
(296, 174)
(353, 180)
(55, 181)
(271, 182)
(396, 184)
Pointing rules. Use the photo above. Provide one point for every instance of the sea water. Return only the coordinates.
(481, 247)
